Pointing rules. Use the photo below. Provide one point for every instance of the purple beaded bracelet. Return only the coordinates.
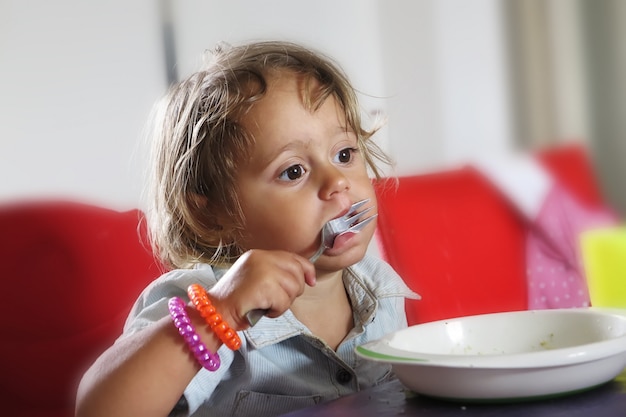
(208, 360)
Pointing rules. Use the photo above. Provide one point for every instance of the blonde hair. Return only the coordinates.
(197, 142)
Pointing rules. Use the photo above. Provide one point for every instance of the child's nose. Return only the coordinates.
(334, 182)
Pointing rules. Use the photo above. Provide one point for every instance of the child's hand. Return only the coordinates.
(261, 279)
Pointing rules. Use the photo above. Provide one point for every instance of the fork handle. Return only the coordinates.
(253, 316)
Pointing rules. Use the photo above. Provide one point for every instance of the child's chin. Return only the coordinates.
(343, 260)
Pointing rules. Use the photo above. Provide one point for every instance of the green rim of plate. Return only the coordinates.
(375, 355)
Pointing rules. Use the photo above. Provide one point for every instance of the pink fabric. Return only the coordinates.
(555, 272)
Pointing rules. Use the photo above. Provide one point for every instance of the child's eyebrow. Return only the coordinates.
(299, 144)
(295, 144)
(346, 129)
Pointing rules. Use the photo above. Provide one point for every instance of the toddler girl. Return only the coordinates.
(252, 156)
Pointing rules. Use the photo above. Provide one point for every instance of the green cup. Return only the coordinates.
(604, 259)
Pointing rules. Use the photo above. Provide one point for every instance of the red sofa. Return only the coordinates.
(70, 273)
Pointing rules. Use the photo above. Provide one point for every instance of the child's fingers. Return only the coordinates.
(308, 270)
(266, 280)
(288, 278)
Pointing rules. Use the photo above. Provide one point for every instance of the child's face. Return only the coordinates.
(305, 169)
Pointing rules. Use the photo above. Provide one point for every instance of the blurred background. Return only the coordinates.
(454, 79)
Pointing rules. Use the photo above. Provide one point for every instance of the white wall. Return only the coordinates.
(445, 73)
(77, 79)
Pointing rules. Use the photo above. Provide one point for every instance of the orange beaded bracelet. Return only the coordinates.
(200, 300)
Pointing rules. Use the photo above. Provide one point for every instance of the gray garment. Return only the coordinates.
(281, 366)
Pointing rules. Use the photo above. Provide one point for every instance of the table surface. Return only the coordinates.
(392, 399)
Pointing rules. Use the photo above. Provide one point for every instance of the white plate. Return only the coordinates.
(506, 356)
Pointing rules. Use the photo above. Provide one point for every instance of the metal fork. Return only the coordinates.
(348, 223)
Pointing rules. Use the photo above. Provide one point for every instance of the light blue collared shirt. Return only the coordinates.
(281, 366)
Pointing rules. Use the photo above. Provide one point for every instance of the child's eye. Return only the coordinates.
(292, 173)
(345, 155)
